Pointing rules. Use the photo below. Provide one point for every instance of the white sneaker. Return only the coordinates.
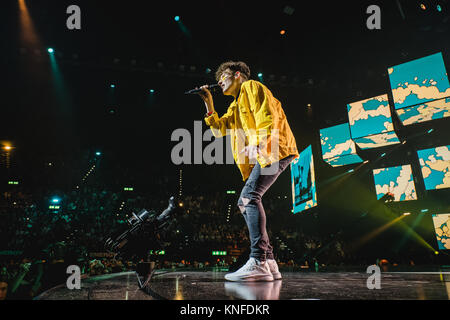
(253, 270)
(273, 267)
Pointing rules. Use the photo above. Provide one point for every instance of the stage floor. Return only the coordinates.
(179, 285)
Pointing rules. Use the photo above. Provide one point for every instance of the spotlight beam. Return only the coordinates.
(375, 233)
(28, 33)
(409, 231)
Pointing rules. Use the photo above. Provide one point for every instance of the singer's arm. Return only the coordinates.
(207, 98)
(218, 125)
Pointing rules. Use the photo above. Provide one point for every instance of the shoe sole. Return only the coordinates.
(276, 276)
(251, 279)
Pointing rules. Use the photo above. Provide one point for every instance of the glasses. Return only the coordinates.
(224, 76)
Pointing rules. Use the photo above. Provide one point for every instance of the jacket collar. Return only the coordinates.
(239, 94)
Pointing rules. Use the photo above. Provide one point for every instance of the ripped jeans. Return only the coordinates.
(250, 205)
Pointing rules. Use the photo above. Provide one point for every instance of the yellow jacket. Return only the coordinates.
(255, 118)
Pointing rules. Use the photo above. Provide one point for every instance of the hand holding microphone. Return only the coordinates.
(205, 93)
(212, 87)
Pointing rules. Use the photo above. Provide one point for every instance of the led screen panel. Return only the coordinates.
(338, 148)
(442, 230)
(303, 180)
(433, 110)
(397, 180)
(370, 116)
(371, 123)
(419, 81)
(435, 164)
(377, 140)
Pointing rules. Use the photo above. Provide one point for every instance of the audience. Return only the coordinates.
(44, 230)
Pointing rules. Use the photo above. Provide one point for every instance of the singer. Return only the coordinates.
(258, 115)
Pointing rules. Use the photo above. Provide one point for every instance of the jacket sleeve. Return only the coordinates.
(220, 125)
(260, 105)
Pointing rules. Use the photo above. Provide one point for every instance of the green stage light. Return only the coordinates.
(260, 75)
(152, 91)
(50, 50)
(113, 86)
(177, 18)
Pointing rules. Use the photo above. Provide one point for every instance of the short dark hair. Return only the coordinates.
(234, 66)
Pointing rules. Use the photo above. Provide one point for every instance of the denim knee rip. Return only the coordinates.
(242, 203)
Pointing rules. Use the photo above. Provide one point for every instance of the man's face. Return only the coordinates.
(3, 290)
(227, 82)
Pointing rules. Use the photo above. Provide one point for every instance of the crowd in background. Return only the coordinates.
(38, 239)
(45, 229)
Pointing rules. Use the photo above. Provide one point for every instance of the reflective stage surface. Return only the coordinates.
(209, 285)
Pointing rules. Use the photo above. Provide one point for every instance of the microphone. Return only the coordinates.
(211, 87)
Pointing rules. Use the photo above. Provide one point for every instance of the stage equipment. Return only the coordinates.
(397, 180)
(371, 123)
(303, 181)
(144, 230)
(434, 163)
(338, 148)
(420, 89)
(441, 222)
